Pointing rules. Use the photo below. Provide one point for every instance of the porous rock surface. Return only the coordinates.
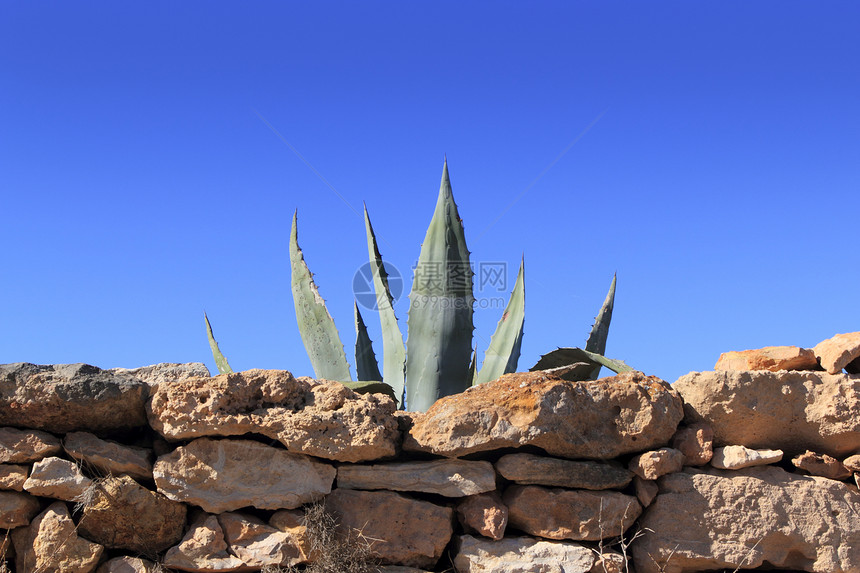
(69, 397)
(484, 514)
(582, 474)
(409, 531)
(51, 543)
(696, 442)
(129, 565)
(22, 446)
(323, 419)
(203, 549)
(841, 351)
(771, 358)
(600, 419)
(258, 544)
(17, 509)
(521, 555)
(739, 457)
(451, 478)
(727, 519)
(656, 463)
(57, 478)
(13, 476)
(123, 514)
(225, 475)
(789, 410)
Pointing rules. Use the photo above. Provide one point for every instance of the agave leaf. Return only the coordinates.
(504, 350)
(220, 361)
(569, 356)
(316, 325)
(600, 331)
(366, 367)
(440, 314)
(371, 387)
(473, 365)
(393, 349)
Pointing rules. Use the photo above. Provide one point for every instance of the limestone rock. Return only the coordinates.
(69, 397)
(400, 569)
(257, 544)
(166, 372)
(129, 565)
(410, 532)
(540, 470)
(646, 490)
(451, 478)
(125, 515)
(836, 353)
(599, 419)
(749, 518)
(225, 475)
(484, 514)
(738, 457)
(771, 358)
(17, 509)
(292, 522)
(521, 555)
(322, 419)
(788, 410)
(109, 457)
(51, 543)
(203, 549)
(57, 478)
(13, 476)
(696, 442)
(821, 465)
(570, 514)
(656, 463)
(852, 463)
(23, 446)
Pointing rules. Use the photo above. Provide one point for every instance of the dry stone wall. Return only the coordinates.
(750, 466)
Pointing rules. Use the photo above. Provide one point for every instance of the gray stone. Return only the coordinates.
(521, 555)
(451, 478)
(541, 470)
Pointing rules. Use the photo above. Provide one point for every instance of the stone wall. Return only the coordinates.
(749, 466)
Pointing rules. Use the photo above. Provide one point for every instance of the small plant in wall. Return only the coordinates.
(438, 358)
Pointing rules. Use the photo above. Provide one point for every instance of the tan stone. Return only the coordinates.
(771, 358)
(225, 475)
(403, 531)
(696, 442)
(57, 478)
(24, 446)
(739, 457)
(646, 490)
(17, 509)
(203, 549)
(120, 513)
(258, 544)
(109, 457)
(51, 544)
(450, 478)
(599, 419)
(292, 522)
(129, 565)
(400, 569)
(656, 463)
(789, 410)
(322, 419)
(541, 470)
(13, 476)
(70, 397)
(836, 353)
(821, 465)
(609, 561)
(167, 372)
(570, 514)
(484, 514)
(521, 555)
(749, 518)
(852, 463)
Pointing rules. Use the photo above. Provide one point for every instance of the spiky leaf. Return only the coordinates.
(600, 331)
(473, 366)
(220, 361)
(440, 314)
(393, 349)
(568, 356)
(371, 387)
(316, 325)
(504, 350)
(366, 367)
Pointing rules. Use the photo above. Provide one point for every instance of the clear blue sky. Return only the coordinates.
(715, 165)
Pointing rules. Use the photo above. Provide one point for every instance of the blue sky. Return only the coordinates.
(706, 151)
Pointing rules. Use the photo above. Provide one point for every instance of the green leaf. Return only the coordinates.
(504, 350)
(393, 349)
(220, 361)
(371, 387)
(441, 305)
(473, 366)
(316, 325)
(562, 357)
(366, 367)
(600, 331)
